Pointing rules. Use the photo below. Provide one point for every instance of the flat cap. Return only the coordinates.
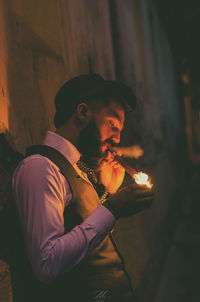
(87, 85)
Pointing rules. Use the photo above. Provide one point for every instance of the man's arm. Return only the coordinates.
(41, 194)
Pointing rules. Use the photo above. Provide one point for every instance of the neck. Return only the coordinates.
(70, 132)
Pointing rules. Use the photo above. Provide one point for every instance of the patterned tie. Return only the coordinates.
(91, 174)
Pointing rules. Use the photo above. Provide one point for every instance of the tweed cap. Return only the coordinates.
(86, 86)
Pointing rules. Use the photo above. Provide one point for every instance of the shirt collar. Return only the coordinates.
(64, 146)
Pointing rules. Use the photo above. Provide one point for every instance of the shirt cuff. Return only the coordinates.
(102, 219)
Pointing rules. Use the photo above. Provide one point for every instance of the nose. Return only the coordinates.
(116, 137)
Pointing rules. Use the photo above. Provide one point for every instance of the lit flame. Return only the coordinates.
(142, 179)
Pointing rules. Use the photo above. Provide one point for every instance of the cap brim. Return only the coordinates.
(114, 89)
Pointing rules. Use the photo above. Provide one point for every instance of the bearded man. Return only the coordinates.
(66, 223)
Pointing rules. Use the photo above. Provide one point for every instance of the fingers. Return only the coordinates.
(134, 186)
(115, 165)
(143, 194)
(146, 199)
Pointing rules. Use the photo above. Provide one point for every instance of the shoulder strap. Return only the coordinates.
(63, 164)
(54, 155)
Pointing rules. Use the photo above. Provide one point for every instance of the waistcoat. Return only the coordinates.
(101, 276)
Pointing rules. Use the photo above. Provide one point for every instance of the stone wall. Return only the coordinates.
(44, 43)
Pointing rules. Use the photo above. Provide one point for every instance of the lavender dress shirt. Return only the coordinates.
(41, 193)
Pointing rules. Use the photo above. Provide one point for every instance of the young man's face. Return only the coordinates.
(103, 130)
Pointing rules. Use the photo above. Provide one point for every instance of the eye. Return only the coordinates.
(111, 124)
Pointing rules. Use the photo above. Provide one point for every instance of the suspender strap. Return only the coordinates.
(55, 156)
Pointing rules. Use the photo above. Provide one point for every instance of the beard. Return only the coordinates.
(90, 145)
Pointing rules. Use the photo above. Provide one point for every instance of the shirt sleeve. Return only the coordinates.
(41, 194)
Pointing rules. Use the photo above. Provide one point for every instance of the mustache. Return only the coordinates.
(108, 141)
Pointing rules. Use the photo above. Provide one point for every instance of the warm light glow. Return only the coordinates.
(142, 179)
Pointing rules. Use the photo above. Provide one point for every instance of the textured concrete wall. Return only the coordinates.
(87, 37)
(43, 43)
(34, 67)
(4, 100)
(145, 62)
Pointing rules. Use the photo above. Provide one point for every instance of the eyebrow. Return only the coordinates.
(115, 114)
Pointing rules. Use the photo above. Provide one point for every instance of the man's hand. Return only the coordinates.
(129, 200)
(111, 175)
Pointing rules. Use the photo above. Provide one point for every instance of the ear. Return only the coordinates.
(83, 113)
